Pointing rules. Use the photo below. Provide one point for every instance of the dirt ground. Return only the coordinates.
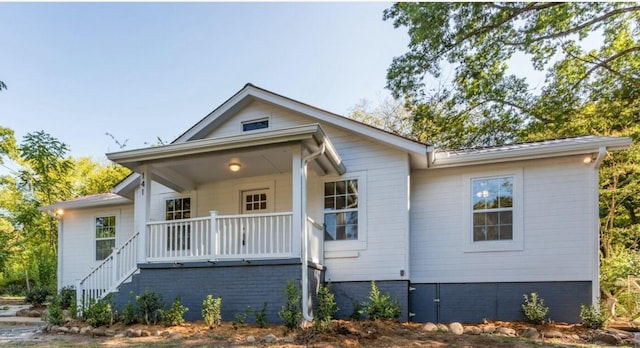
(341, 333)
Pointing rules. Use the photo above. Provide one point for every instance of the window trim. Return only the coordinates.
(188, 243)
(256, 120)
(515, 244)
(95, 239)
(361, 242)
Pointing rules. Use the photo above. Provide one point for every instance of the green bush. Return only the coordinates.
(54, 315)
(327, 308)
(261, 316)
(130, 311)
(99, 313)
(380, 306)
(149, 305)
(592, 318)
(291, 313)
(175, 315)
(534, 309)
(211, 311)
(68, 297)
(37, 296)
(241, 318)
(14, 289)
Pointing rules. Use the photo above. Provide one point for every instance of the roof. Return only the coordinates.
(529, 150)
(96, 200)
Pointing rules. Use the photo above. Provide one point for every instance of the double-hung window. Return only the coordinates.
(341, 210)
(105, 233)
(492, 209)
(178, 234)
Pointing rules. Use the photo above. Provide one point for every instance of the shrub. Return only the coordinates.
(130, 312)
(14, 289)
(592, 318)
(241, 318)
(38, 296)
(99, 313)
(327, 308)
(211, 311)
(534, 309)
(175, 315)
(380, 306)
(149, 306)
(290, 313)
(54, 315)
(67, 297)
(261, 316)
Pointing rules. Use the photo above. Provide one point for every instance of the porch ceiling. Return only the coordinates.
(185, 166)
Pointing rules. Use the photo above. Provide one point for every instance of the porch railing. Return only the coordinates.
(109, 274)
(246, 236)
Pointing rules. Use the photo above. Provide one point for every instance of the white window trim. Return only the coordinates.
(192, 210)
(259, 119)
(361, 242)
(515, 244)
(268, 185)
(93, 232)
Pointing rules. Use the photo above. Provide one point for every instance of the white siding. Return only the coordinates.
(558, 228)
(278, 118)
(78, 247)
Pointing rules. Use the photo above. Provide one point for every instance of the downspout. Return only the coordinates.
(305, 234)
(430, 155)
(595, 291)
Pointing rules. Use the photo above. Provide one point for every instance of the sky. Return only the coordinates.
(140, 71)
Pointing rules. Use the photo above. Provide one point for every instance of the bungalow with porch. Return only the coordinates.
(266, 189)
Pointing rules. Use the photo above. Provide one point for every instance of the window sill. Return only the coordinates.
(344, 245)
(488, 246)
(341, 254)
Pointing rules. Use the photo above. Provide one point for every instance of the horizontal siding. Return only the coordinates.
(558, 226)
(78, 247)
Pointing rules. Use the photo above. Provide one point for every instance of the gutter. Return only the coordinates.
(305, 234)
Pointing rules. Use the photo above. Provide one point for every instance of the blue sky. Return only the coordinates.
(146, 70)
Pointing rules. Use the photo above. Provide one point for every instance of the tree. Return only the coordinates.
(389, 115)
(2, 85)
(489, 103)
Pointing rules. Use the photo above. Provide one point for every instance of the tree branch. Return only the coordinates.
(600, 63)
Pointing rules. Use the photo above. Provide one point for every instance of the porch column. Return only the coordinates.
(142, 212)
(213, 234)
(296, 186)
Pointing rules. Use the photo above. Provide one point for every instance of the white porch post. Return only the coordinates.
(296, 183)
(213, 235)
(143, 213)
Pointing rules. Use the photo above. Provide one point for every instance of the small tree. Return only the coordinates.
(291, 313)
(327, 308)
(534, 309)
(211, 312)
(175, 315)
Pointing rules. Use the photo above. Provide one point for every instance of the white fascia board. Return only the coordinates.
(80, 204)
(442, 160)
(297, 133)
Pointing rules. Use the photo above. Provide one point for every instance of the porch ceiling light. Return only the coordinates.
(234, 167)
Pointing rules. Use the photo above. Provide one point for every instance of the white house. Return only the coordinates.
(266, 189)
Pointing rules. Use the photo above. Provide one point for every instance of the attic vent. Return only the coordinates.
(255, 124)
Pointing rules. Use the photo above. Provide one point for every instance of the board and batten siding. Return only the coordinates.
(78, 247)
(560, 237)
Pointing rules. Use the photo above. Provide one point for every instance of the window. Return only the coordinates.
(492, 205)
(254, 201)
(341, 210)
(105, 232)
(178, 235)
(255, 124)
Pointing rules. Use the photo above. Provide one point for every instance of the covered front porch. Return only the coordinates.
(218, 214)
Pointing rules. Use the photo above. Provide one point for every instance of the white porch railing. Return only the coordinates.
(109, 274)
(246, 236)
(315, 243)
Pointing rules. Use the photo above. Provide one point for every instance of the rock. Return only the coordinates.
(156, 333)
(199, 336)
(53, 328)
(109, 332)
(456, 328)
(489, 329)
(98, 332)
(442, 327)
(620, 333)
(145, 333)
(530, 333)
(251, 339)
(134, 332)
(552, 334)
(86, 330)
(74, 330)
(120, 334)
(63, 329)
(288, 340)
(175, 336)
(472, 330)
(165, 333)
(506, 331)
(430, 327)
(607, 338)
(270, 338)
